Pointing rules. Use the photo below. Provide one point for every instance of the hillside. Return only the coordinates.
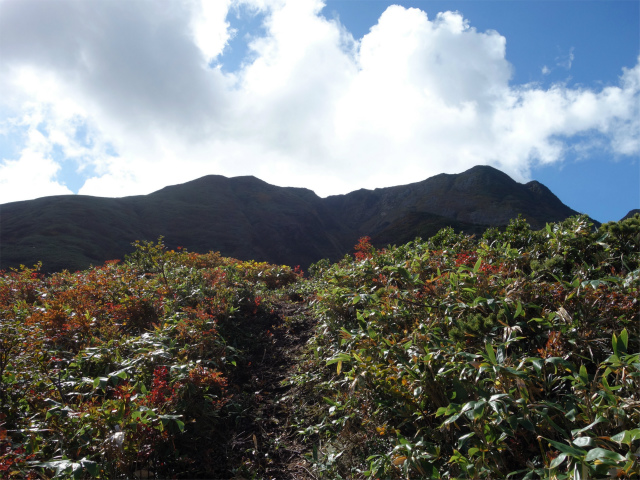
(508, 355)
(247, 218)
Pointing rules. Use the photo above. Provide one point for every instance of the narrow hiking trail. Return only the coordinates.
(264, 444)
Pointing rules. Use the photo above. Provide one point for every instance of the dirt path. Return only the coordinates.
(266, 442)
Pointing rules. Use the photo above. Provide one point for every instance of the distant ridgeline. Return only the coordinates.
(246, 218)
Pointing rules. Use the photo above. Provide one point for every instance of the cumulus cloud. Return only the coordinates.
(31, 172)
(131, 93)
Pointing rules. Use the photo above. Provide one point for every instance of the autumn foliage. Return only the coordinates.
(122, 370)
(514, 355)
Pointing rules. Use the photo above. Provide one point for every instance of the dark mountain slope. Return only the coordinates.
(479, 196)
(68, 231)
(241, 217)
(631, 213)
(244, 217)
(247, 218)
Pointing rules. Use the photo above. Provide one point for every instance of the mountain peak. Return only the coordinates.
(247, 218)
(631, 213)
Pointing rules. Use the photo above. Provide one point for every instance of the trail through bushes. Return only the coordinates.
(513, 355)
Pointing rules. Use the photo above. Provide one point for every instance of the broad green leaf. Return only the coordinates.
(601, 453)
(580, 471)
(476, 267)
(91, 467)
(537, 364)
(558, 460)
(342, 357)
(491, 353)
(527, 424)
(346, 332)
(624, 336)
(100, 382)
(518, 310)
(627, 436)
(478, 410)
(590, 426)
(584, 376)
(452, 419)
(568, 449)
(583, 442)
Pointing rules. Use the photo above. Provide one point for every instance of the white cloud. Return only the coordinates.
(566, 60)
(125, 90)
(210, 29)
(31, 174)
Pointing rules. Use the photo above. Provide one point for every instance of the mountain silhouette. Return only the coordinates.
(247, 218)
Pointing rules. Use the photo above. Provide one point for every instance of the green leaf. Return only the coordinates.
(341, 357)
(478, 410)
(330, 402)
(527, 424)
(430, 471)
(568, 449)
(476, 267)
(584, 376)
(443, 411)
(537, 363)
(518, 310)
(100, 382)
(452, 419)
(491, 353)
(601, 453)
(627, 436)
(558, 460)
(180, 425)
(624, 336)
(583, 442)
(580, 471)
(90, 466)
(590, 426)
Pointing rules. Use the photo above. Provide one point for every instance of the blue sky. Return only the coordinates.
(120, 98)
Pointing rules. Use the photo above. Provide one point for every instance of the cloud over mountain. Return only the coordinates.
(135, 96)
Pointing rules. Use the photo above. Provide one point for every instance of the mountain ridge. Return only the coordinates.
(248, 218)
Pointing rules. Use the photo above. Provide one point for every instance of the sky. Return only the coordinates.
(118, 98)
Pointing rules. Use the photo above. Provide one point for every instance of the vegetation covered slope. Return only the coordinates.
(513, 355)
(247, 218)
